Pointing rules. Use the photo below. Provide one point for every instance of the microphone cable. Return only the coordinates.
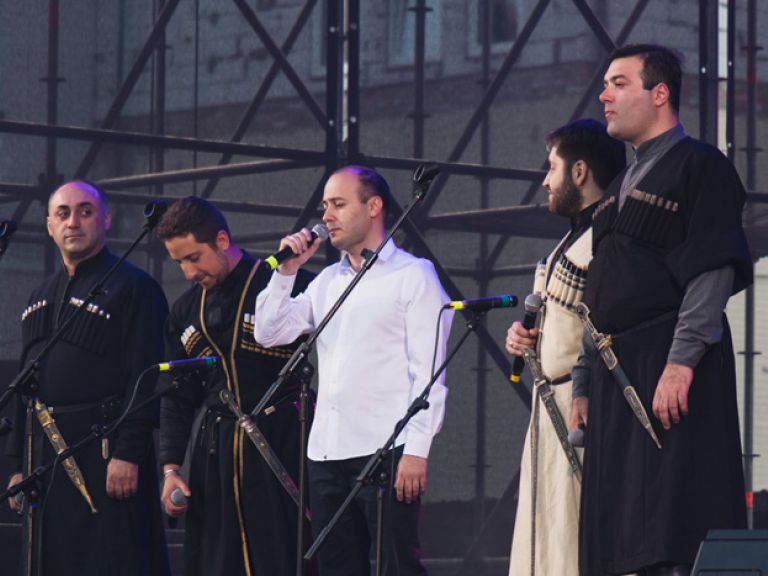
(392, 477)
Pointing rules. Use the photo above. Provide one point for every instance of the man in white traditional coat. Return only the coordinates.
(582, 162)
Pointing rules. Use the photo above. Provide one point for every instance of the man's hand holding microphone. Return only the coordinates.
(296, 249)
(523, 335)
(175, 493)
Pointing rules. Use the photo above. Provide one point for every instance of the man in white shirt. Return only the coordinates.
(375, 357)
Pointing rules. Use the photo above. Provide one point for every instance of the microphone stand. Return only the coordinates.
(25, 380)
(366, 475)
(7, 228)
(422, 178)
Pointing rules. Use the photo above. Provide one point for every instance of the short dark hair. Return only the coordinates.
(372, 184)
(192, 215)
(660, 64)
(589, 141)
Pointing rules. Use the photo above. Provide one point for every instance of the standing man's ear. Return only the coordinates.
(660, 94)
(579, 173)
(375, 206)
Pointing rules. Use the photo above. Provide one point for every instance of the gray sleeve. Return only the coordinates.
(582, 370)
(700, 320)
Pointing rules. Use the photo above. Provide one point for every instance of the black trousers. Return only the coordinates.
(349, 546)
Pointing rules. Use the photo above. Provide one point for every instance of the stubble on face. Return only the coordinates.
(200, 262)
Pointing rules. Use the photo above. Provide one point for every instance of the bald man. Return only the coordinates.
(87, 379)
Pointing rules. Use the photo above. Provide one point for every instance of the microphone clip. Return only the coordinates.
(424, 174)
(153, 211)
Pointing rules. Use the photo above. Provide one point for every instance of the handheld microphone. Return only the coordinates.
(7, 228)
(189, 365)
(178, 497)
(483, 304)
(532, 306)
(21, 502)
(576, 437)
(318, 231)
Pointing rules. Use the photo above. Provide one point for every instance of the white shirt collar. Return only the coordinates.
(384, 255)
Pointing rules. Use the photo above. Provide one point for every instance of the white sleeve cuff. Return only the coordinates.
(417, 445)
(280, 283)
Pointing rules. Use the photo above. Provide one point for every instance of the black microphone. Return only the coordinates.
(188, 365)
(178, 497)
(7, 228)
(532, 306)
(425, 173)
(318, 231)
(153, 211)
(483, 304)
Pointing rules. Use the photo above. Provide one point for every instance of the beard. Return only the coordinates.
(567, 201)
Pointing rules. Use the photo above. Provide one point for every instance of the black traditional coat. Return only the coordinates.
(240, 519)
(87, 378)
(641, 505)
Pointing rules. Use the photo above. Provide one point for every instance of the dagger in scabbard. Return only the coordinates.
(51, 430)
(546, 393)
(261, 444)
(603, 344)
